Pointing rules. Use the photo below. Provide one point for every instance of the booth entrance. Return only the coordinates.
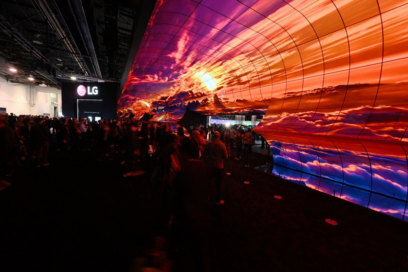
(92, 118)
(92, 109)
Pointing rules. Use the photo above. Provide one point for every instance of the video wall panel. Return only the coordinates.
(330, 77)
(372, 174)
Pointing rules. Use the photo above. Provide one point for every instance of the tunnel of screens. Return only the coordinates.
(330, 77)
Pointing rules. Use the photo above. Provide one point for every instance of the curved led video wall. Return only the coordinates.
(332, 76)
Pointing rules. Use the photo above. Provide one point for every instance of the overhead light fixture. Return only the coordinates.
(101, 80)
(37, 39)
(30, 78)
(14, 70)
(73, 78)
(43, 85)
(59, 62)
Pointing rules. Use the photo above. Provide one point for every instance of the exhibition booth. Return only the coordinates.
(94, 101)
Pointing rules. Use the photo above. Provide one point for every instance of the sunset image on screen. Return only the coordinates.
(331, 78)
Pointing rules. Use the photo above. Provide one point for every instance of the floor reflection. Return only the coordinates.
(378, 202)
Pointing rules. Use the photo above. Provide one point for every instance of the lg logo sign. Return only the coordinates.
(82, 90)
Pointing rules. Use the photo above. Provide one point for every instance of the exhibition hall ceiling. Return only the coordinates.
(48, 42)
(331, 78)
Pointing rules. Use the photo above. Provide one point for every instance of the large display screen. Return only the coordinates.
(85, 99)
(90, 108)
(331, 76)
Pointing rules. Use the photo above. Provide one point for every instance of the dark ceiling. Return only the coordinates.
(52, 40)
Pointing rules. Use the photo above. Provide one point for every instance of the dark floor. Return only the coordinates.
(80, 214)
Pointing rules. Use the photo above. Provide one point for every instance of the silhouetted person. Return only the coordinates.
(39, 138)
(180, 132)
(247, 145)
(83, 128)
(7, 148)
(263, 142)
(75, 135)
(238, 143)
(12, 120)
(65, 139)
(20, 123)
(227, 141)
(215, 153)
(198, 143)
(132, 144)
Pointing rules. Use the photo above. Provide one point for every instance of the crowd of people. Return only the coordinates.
(167, 149)
(172, 155)
(26, 139)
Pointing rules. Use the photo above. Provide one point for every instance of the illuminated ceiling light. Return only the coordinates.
(59, 62)
(30, 78)
(14, 70)
(43, 85)
(73, 78)
(37, 39)
(208, 80)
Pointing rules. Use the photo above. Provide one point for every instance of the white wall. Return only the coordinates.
(22, 99)
(14, 97)
(59, 97)
(43, 103)
(47, 98)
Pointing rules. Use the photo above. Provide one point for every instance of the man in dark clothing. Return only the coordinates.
(26, 133)
(19, 124)
(215, 152)
(39, 136)
(83, 129)
(75, 135)
(8, 145)
(12, 119)
(248, 145)
(63, 135)
(46, 124)
(132, 144)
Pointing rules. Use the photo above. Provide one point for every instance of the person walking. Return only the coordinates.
(227, 141)
(199, 143)
(247, 145)
(7, 146)
(39, 137)
(215, 152)
(83, 128)
(238, 143)
(75, 135)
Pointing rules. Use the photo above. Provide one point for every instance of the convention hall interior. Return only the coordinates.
(203, 135)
